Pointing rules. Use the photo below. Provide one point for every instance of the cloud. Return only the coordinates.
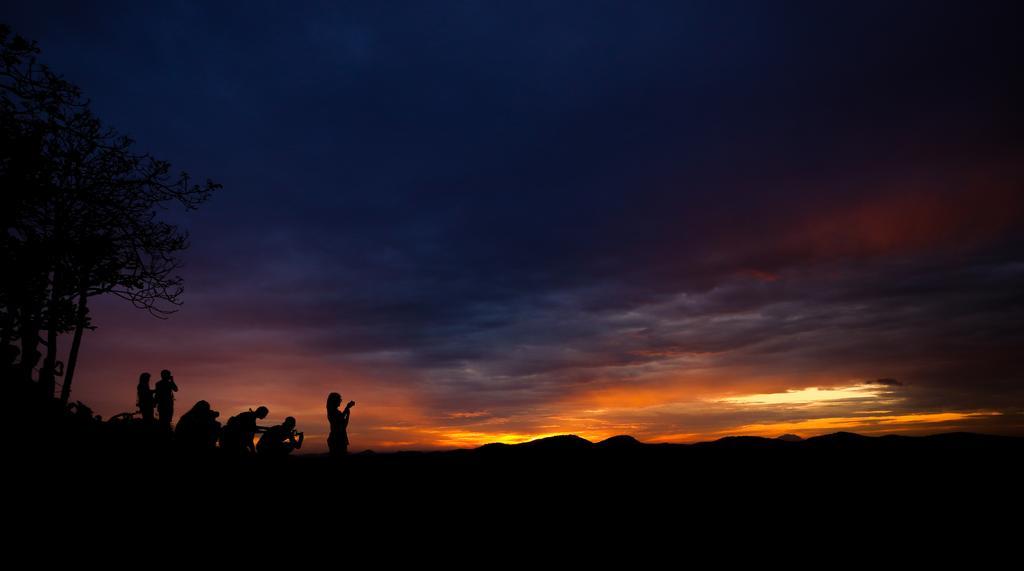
(885, 382)
(499, 221)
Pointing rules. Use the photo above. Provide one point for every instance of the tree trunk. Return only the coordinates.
(29, 342)
(76, 342)
(48, 375)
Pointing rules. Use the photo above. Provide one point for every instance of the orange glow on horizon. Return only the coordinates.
(701, 401)
(868, 424)
(810, 427)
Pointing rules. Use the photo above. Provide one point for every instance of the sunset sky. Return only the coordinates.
(494, 221)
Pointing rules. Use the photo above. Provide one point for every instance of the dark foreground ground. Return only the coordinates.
(563, 469)
(134, 484)
(116, 488)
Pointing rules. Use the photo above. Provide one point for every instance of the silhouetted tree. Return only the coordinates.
(30, 99)
(80, 212)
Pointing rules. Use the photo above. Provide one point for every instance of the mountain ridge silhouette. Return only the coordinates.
(840, 439)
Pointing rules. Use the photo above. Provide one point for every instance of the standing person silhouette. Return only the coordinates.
(337, 442)
(144, 398)
(163, 393)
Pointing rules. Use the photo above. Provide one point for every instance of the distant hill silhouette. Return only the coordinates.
(557, 443)
(622, 441)
(837, 441)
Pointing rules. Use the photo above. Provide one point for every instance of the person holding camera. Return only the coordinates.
(236, 438)
(337, 442)
(278, 441)
(163, 394)
(198, 429)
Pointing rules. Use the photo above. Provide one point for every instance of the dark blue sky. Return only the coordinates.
(514, 218)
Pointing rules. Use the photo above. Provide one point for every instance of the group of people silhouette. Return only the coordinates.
(198, 429)
(160, 397)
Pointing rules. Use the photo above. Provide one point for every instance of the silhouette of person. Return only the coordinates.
(198, 428)
(144, 398)
(337, 442)
(241, 429)
(163, 394)
(278, 441)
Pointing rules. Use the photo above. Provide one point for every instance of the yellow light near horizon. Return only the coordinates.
(462, 438)
(809, 395)
(471, 439)
(864, 423)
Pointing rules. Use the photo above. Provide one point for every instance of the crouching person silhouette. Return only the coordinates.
(278, 441)
(337, 442)
(236, 439)
(197, 430)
